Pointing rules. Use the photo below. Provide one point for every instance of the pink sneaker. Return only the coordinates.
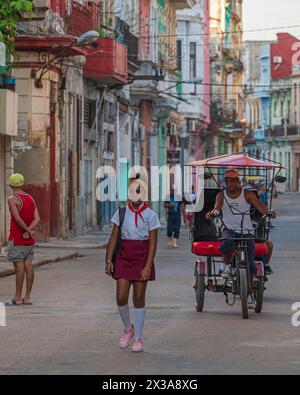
(137, 345)
(126, 338)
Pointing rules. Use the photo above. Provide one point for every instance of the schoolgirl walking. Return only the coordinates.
(134, 265)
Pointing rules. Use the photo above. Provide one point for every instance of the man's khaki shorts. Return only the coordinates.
(19, 253)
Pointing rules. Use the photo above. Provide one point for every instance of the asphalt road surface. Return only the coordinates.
(74, 328)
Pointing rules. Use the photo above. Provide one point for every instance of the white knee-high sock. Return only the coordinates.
(125, 316)
(139, 322)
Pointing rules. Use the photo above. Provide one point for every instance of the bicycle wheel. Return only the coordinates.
(259, 295)
(200, 292)
(244, 293)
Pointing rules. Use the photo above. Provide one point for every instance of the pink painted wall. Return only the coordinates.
(146, 114)
(282, 48)
(145, 23)
(207, 80)
(146, 121)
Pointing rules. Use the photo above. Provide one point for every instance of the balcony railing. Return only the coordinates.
(84, 17)
(293, 130)
(259, 134)
(277, 131)
(180, 4)
(130, 40)
(58, 19)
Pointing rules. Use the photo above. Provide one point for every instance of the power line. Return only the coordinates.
(208, 34)
(238, 46)
(178, 82)
(222, 33)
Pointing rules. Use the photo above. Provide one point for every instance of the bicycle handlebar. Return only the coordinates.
(217, 214)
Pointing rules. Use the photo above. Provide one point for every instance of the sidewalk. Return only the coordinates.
(59, 250)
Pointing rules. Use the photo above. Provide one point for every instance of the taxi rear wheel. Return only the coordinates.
(200, 292)
(244, 293)
(259, 296)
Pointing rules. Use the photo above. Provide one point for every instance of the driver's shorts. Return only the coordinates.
(19, 253)
(228, 246)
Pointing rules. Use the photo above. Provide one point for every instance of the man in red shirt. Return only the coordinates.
(24, 219)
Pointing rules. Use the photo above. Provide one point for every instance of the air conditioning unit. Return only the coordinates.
(9, 112)
(277, 59)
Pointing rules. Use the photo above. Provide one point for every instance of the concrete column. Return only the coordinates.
(2, 192)
(6, 169)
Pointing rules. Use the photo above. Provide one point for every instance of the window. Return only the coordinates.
(193, 62)
(89, 113)
(281, 109)
(193, 53)
(179, 55)
(275, 108)
(110, 142)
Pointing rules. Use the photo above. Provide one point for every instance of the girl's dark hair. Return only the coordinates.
(137, 177)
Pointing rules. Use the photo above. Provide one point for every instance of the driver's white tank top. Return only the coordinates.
(232, 209)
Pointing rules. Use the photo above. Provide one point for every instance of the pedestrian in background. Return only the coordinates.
(175, 208)
(190, 208)
(21, 242)
(134, 265)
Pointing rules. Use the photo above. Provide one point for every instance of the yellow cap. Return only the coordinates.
(16, 180)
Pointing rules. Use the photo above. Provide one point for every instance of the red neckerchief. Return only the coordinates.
(138, 213)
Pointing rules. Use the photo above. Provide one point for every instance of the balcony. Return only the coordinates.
(276, 131)
(293, 130)
(108, 64)
(83, 18)
(61, 17)
(9, 112)
(259, 134)
(229, 53)
(54, 25)
(181, 4)
(132, 42)
(173, 156)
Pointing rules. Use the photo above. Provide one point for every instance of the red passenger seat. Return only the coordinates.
(207, 248)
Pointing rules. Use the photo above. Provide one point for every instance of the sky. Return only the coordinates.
(261, 14)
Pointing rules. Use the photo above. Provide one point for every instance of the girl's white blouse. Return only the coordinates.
(140, 232)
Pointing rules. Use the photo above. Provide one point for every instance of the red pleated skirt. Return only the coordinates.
(132, 259)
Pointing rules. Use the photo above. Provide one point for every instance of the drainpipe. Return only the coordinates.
(81, 189)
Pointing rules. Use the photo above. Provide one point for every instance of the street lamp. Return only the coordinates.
(86, 39)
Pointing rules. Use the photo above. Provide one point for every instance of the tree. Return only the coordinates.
(11, 12)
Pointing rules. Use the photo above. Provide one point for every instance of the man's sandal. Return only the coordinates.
(13, 302)
(26, 303)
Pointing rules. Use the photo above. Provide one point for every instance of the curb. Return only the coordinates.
(11, 272)
(73, 247)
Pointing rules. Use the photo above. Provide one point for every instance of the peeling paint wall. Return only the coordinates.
(31, 147)
(6, 169)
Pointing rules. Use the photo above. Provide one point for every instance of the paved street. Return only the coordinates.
(73, 327)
